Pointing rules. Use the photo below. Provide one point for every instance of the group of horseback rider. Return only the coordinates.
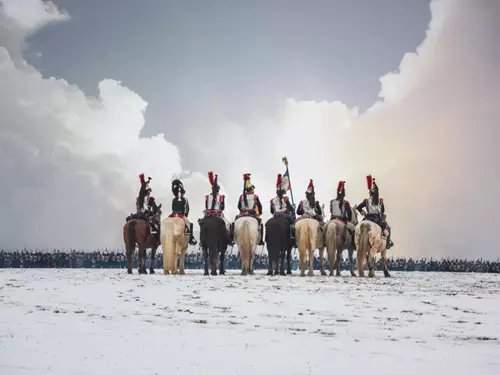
(249, 205)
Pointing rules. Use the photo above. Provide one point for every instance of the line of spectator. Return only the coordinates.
(194, 260)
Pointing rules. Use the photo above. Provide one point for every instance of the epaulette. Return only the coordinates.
(346, 201)
(271, 201)
(206, 197)
(256, 196)
(285, 198)
(381, 200)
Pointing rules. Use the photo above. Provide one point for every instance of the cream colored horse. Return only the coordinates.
(173, 241)
(369, 241)
(337, 240)
(246, 237)
(309, 237)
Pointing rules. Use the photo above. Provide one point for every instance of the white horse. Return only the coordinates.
(309, 237)
(337, 240)
(246, 237)
(174, 241)
(369, 242)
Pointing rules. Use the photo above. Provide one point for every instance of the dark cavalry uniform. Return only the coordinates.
(340, 209)
(280, 206)
(180, 208)
(375, 208)
(144, 191)
(215, 204)
(310, 206)
(249, 205)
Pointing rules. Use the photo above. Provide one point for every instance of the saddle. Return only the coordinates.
(380, 222)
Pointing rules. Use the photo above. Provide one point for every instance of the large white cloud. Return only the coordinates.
(430, 141)
(71, 162)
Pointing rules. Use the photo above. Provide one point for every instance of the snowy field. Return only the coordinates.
(64, 321)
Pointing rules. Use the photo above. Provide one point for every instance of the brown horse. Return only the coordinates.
(136, 232)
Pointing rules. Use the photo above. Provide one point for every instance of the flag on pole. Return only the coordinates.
(285, 181)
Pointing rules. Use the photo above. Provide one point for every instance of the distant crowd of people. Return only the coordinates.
(194, 260)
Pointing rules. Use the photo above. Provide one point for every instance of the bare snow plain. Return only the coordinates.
(103, 321)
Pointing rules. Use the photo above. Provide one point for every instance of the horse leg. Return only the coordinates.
(130, 251)
(384, 263)
(181, 265)
(213, 261)
(338, 262)
(282, 262)
(153, 260)
(222, 258)
(142, 260)
(302, 259)
(311, 261)
(277, 262)
(205, 257)
(371, 264)
(288, 260)
(351, 262)
(270, 262)
(322, 261)
(252, 258)
(360, 258)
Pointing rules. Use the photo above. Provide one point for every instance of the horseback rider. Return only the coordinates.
(310, 206)
(375, 209)
(180, 208)
(281, 206)
(340, 209)
(153, 213)
(249, 205)
(143, 192)
(215, 204)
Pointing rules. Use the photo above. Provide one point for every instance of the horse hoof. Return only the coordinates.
(288, 272)
(152, 271)
(213, 273)
(371, 275)
(222, 272)
(302, 274)
(387, 274)
(282, 273)
(269, 273)
(354, 275)
(205, 274)
(323, 273)
(182, 273)
(129, 272)
(310, 273)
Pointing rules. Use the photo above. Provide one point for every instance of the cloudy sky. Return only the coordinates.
(93, 93)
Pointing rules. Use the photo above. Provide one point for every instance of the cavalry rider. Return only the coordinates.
(215, 204)
(143, 192)
(375, 209)
(180, 207)
(154, 213)
(340, 209)
(249, 204)
(281, 206)
(310, 206)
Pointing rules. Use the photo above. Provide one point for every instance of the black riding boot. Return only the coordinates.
(192, 241)
(389, 243)
(294, 242)
(231, 234)
(351, 232)
(261, 242)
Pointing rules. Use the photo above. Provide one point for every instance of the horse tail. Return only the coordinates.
(132, 238)
(364, 240)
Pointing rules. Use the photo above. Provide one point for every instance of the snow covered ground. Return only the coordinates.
(88, 321)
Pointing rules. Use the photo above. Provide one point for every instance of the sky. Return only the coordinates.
(93, 93)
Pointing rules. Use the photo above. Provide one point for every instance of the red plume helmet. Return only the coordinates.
(211, 177)
(340, 186)
(278, 181)
(141, 178)
(246, 176)
(369, 181)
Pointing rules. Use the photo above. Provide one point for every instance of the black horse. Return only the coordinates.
(215, 241)
(279, 242)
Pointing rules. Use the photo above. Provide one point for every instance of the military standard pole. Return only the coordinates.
(285, 161)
